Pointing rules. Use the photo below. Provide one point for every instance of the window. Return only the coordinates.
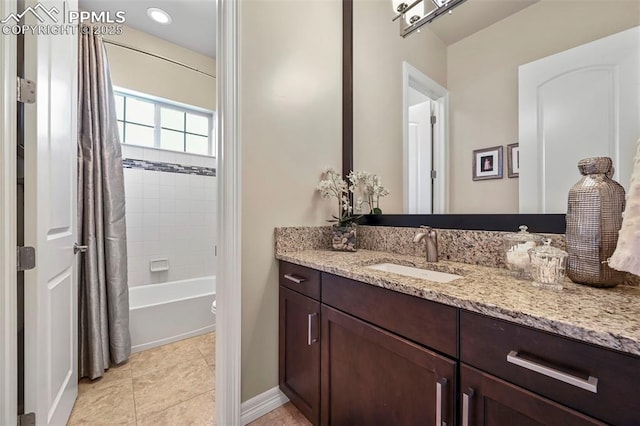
(150, 123)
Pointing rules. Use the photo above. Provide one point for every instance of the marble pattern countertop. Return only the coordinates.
(605, 317)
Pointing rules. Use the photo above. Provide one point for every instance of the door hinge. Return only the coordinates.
(28, 419)
(215, 250)
(434, 174)
(433, 119)
(26, 91)
(26, 258)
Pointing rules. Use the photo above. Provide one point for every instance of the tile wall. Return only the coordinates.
(169, 216)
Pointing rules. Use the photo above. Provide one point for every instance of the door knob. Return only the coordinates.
(79, 249)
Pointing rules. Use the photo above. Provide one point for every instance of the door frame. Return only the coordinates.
(229, 220)
(414, 78)
(228, 352)
(8, 225)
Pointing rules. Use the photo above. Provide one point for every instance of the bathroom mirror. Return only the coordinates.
(464, 69)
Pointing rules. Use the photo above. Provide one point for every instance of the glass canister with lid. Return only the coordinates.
(548, 265)
(516, 248)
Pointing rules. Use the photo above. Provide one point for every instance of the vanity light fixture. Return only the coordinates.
(159, 15)
(416, 21)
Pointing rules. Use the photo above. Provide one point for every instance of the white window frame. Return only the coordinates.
(157, 128)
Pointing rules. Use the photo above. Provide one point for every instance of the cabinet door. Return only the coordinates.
(373, 377)
(299, 348)
(488, 401)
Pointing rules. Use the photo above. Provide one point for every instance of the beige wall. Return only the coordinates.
(290, 129)
(147, 74)
(482, 78)
(378, 52)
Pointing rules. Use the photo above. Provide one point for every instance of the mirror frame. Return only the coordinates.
(549, 223)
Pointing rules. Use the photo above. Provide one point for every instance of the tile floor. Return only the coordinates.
(171, 385)
(168, 385)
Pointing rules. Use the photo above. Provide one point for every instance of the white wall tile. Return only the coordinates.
(132, 189)
(150, 205)
(170, 215)
(167, 178)
(134, 248)
(197, 181)
(150, 191)
(134, 234)
(167, 192)
(150, 177)
(151, 155)
(134, 152)
(168, 157)
(133, 205)
(166, 205)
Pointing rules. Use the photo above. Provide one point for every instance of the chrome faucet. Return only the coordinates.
(430, 236)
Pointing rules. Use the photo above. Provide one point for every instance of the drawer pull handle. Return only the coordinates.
(440, 384)
(310, 340)
(295, 278)
(591, 384)
(466, 396)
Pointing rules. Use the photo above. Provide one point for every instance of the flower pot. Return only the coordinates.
(343, 238)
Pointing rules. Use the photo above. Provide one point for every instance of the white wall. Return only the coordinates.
(147, 74)
(169, 215)
(482, 78)
(290, 129)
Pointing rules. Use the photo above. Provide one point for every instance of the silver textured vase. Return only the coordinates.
(594, 217)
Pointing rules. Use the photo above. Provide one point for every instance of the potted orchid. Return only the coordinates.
(332, 185)
(367, 189)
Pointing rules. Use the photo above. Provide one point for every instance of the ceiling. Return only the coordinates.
(193, 26)
(474, 15)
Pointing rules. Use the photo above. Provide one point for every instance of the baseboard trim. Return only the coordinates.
(261, 404)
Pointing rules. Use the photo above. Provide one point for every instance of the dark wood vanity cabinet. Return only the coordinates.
(373, 377)
(352, 353)
(299, 346)
(596, 381)
(486, 400)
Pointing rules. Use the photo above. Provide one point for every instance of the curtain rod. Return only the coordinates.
(115, 43)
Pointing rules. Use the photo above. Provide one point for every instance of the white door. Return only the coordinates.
(419, 161)
(51, 372)
(580, 103)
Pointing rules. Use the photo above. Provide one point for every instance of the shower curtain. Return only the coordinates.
(103, 294)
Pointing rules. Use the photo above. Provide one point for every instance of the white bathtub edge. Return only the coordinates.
(160, 342)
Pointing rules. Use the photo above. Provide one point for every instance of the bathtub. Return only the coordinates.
(164, 313)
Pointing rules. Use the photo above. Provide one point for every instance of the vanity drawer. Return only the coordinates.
(431, 324)
(555, 367)
(301, 279)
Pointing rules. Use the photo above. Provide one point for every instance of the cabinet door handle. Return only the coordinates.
(591, 384)
(310, 317)
(295, 278)
(440, 384)
(466, 397)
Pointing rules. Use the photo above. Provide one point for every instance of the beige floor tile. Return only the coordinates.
(163, 357)
(198, 411)
(104, 402)
(112, 374)
(286, 415)
(206, 344)
(160, 389)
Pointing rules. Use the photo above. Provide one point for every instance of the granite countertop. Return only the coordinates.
(605, 317)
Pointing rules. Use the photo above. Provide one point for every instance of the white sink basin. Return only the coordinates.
(409, 271)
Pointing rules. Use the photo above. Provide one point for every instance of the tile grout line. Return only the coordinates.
(178, 403)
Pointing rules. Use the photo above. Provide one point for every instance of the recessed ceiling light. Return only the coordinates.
(159, 15)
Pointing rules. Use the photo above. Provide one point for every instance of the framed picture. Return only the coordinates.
(487, 163)
(513, 160)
